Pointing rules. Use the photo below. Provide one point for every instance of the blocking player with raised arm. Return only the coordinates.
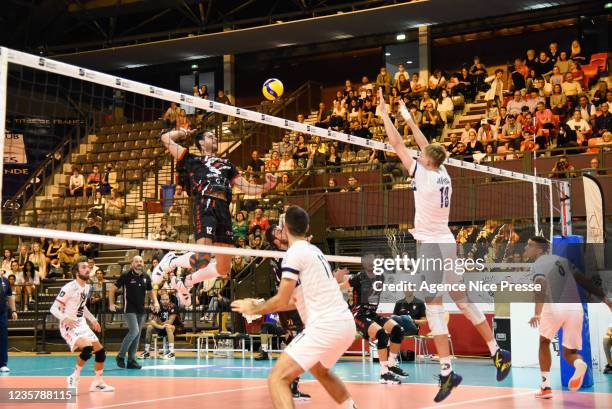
(558, 306)
(70, 309)
(211, 179)
(432, 194)
(308, 285)
(290, 320)
(370, 324)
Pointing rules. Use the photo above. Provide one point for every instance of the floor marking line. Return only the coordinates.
(465, 402)
(179, 397)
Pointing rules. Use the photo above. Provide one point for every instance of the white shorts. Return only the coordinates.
(82, 330)
(322, 342)
(569, 320)
(434, 269)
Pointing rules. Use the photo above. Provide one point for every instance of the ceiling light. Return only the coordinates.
(387, 54)
(608, 6)
(400, 37)
(409, 62)
(194, 66)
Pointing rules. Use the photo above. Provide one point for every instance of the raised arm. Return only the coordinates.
(173, 148)
(419, 138)
(395, 139)
(252, 189)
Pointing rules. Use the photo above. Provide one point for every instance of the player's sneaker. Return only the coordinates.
(144, 355)
(608, 370)
(263, 356)
(398, 371)
(297, 394)
(447, 384)
(544, 393)
(503, 363)
(162, 267)
(100, 386)
(390, 378)
(575, 381)
(72, 382)
(169, 355)
(182, 292)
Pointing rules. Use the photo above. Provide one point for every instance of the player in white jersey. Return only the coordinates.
(435, 242)
(558, 305)
(70, 309)
(308, 285)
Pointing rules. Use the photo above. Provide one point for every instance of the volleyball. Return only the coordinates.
(273, 89)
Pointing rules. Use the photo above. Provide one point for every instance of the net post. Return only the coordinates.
(3, 91)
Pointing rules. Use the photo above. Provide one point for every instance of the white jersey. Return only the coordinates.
(73, 298)
(432, 196)
(317, 295)
(561, 288)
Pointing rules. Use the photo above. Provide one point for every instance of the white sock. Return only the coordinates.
(183, 261)
(171, 347)
(445, 366)
(493, 347)
(392, 359)
(545, 379)
(206, 273)
(99, 375)
(349, 404)
(384, 367)
(147, 347)
(77, 371)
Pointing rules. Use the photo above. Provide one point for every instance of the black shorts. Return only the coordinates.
(212, 220)
(364, 319)
(291, 321)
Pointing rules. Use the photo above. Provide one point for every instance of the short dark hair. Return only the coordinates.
(75, 267)
(297, 221)
(541, 241)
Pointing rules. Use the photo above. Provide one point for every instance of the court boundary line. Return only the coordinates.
(468, 402)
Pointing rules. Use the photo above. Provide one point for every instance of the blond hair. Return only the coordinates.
(437, 154)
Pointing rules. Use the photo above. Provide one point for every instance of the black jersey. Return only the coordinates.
(365, 297)
(289, 320)
(208, 174)
(165, 311)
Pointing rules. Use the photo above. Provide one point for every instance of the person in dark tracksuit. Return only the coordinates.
(7, 307)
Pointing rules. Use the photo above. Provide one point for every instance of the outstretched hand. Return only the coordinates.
(382, 105)
(245, 306)
(405, 112)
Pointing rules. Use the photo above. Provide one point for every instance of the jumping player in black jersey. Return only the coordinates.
(369, 323)
(290, 321)
(211, 179)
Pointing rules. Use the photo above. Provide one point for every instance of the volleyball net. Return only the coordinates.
(61, 120)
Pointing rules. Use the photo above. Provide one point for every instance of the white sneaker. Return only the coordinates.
(163, 266)
(72, 382)
(182, 292)
(100, 386)
(5, 369)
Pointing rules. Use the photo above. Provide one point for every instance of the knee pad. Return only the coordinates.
(199, 261)
(100, 355)
(86, 353)
(397, 335)
(383, 339)
(471, 312)
(435, 319)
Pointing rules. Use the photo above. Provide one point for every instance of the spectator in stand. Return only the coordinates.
(587, 110)
(256, 165)
(323, 116)
(93, 268)
(332, 186)
(273, 162)
(338, 116)
(461, 150)
(478, 73)
(93, 180)
(109, 180)
(528, 144)
(340, 98)
(403, 85)
(99, 292)
(240, 227)
(490, 152)
(90, 249)
(593, 168)
(563, 63)
(416, 114)
(322, 147)
(437, 83)
(24, 253)
(606, 142)
(301, 152)
(501, 119)
(180, 202)
(430, 121)
(68, 255)
(452, 146)
(394, 96)
(259, 220)
(76, 183)
(544, 123)
(400, 71)
(7, 260)
(17, 272)
(99, 205)
(54, 249)
(486, 133)
(353, 185)
(348, 87)
(445, 107)
(474, 145)
(39, 259)
(465, 135)
(531, 78)
(495, 93)
(333, 159)
(599, 96)
(416, 87)
(284, 183)
(182, 122)
(286, 164)
(553, 52)
(204, 91)
(29, 280)
(300, 118)
(427, 100)
(222, 98)
(603, 121)
(558, 101)
(576, 53)
(114, 205)
(544, 89)
(570, 87)
(368, 114)
(465, 85)
(531, 60)
(514, 105)
(563, 169)
(556, 78)
(580, 126)
(533, 100)
(171, 115)
(512, 133)
(609, 96)
(317, 159)
(544, 66)
(409, 312)
(518, 75)
(365, 86)
(286, 146)
(164, 226)
(383, 79)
